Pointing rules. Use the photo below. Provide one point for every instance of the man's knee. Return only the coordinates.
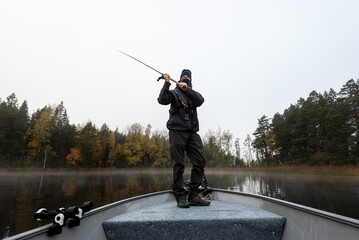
(199, 168)
(177, 152)
(178, 168)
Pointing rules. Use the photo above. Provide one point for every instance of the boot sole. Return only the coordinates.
(198, 204)
(187, 206)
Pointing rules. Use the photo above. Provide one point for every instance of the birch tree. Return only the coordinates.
(40, 136)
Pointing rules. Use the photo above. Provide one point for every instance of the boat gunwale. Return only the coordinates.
(325, 214)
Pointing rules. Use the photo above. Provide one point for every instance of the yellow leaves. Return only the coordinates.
(107, 148)
(148, 146)
(74, 158)
(41, 130)
(139, 147)
(112, 141)
(97, 150)
(40, 134)
(133, 160)
(161, 162)
(132, 151)
(112, 145)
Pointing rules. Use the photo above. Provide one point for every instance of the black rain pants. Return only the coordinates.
(181, 141)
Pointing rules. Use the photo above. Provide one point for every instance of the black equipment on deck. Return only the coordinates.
(61, 217)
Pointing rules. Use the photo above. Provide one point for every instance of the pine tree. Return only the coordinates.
(349, 98)
(89, 144)
(62, 135)
(260, 140)
(13, 126)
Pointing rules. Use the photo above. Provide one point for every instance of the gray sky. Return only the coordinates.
(248, 58)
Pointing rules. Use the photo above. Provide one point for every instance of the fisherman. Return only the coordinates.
(183, 126)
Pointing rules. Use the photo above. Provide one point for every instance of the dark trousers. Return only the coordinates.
(181, 141)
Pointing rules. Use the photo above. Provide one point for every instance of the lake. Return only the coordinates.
(23, 193)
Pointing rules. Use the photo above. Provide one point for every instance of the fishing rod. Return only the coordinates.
(159, 78)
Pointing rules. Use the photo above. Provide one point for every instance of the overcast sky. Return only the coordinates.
(247, 58)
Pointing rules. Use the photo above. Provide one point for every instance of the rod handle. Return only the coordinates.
(175, 81)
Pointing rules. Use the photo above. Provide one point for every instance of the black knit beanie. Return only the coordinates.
(186, 72)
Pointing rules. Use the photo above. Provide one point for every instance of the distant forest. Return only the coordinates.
(320, 130)
(47, 139)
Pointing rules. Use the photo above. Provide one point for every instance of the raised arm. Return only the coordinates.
(165, 96)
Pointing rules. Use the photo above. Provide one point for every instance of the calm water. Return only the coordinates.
(23, 193)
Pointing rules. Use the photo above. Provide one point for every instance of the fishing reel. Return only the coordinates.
(61, 217)
(160, 77)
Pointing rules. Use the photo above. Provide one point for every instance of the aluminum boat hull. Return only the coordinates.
(303, 223)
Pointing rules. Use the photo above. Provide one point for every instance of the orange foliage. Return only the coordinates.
(74, 158)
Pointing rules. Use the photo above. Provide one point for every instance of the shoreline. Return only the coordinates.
(345, 170)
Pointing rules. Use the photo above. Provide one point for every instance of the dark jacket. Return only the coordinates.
(181, 118)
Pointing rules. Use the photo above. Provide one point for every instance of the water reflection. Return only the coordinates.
(21, 194)
(335, 194)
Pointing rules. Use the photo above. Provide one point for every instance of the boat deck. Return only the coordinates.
(220, 220)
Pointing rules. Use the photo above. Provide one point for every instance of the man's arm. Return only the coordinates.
(165, 96)
(195, 97)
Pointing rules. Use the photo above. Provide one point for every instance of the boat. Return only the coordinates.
(231, 215)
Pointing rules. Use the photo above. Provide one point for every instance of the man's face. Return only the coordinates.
(186, 76)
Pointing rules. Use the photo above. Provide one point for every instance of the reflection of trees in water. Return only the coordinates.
(69, 187)
(248, 183)
(30, 192)
(23, 203)
(334, 194)
(105, 188)
(22, 194)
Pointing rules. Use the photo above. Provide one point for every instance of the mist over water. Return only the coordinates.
(23, 193)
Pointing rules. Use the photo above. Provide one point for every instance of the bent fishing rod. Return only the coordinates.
(159, 78)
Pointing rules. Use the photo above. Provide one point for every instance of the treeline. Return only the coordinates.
(47, 139)
(322, 129)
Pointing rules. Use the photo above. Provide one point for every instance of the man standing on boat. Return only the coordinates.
(183, 126)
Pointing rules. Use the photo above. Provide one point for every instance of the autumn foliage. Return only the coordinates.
(320, 130)
(47, 139)
(74, 158)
